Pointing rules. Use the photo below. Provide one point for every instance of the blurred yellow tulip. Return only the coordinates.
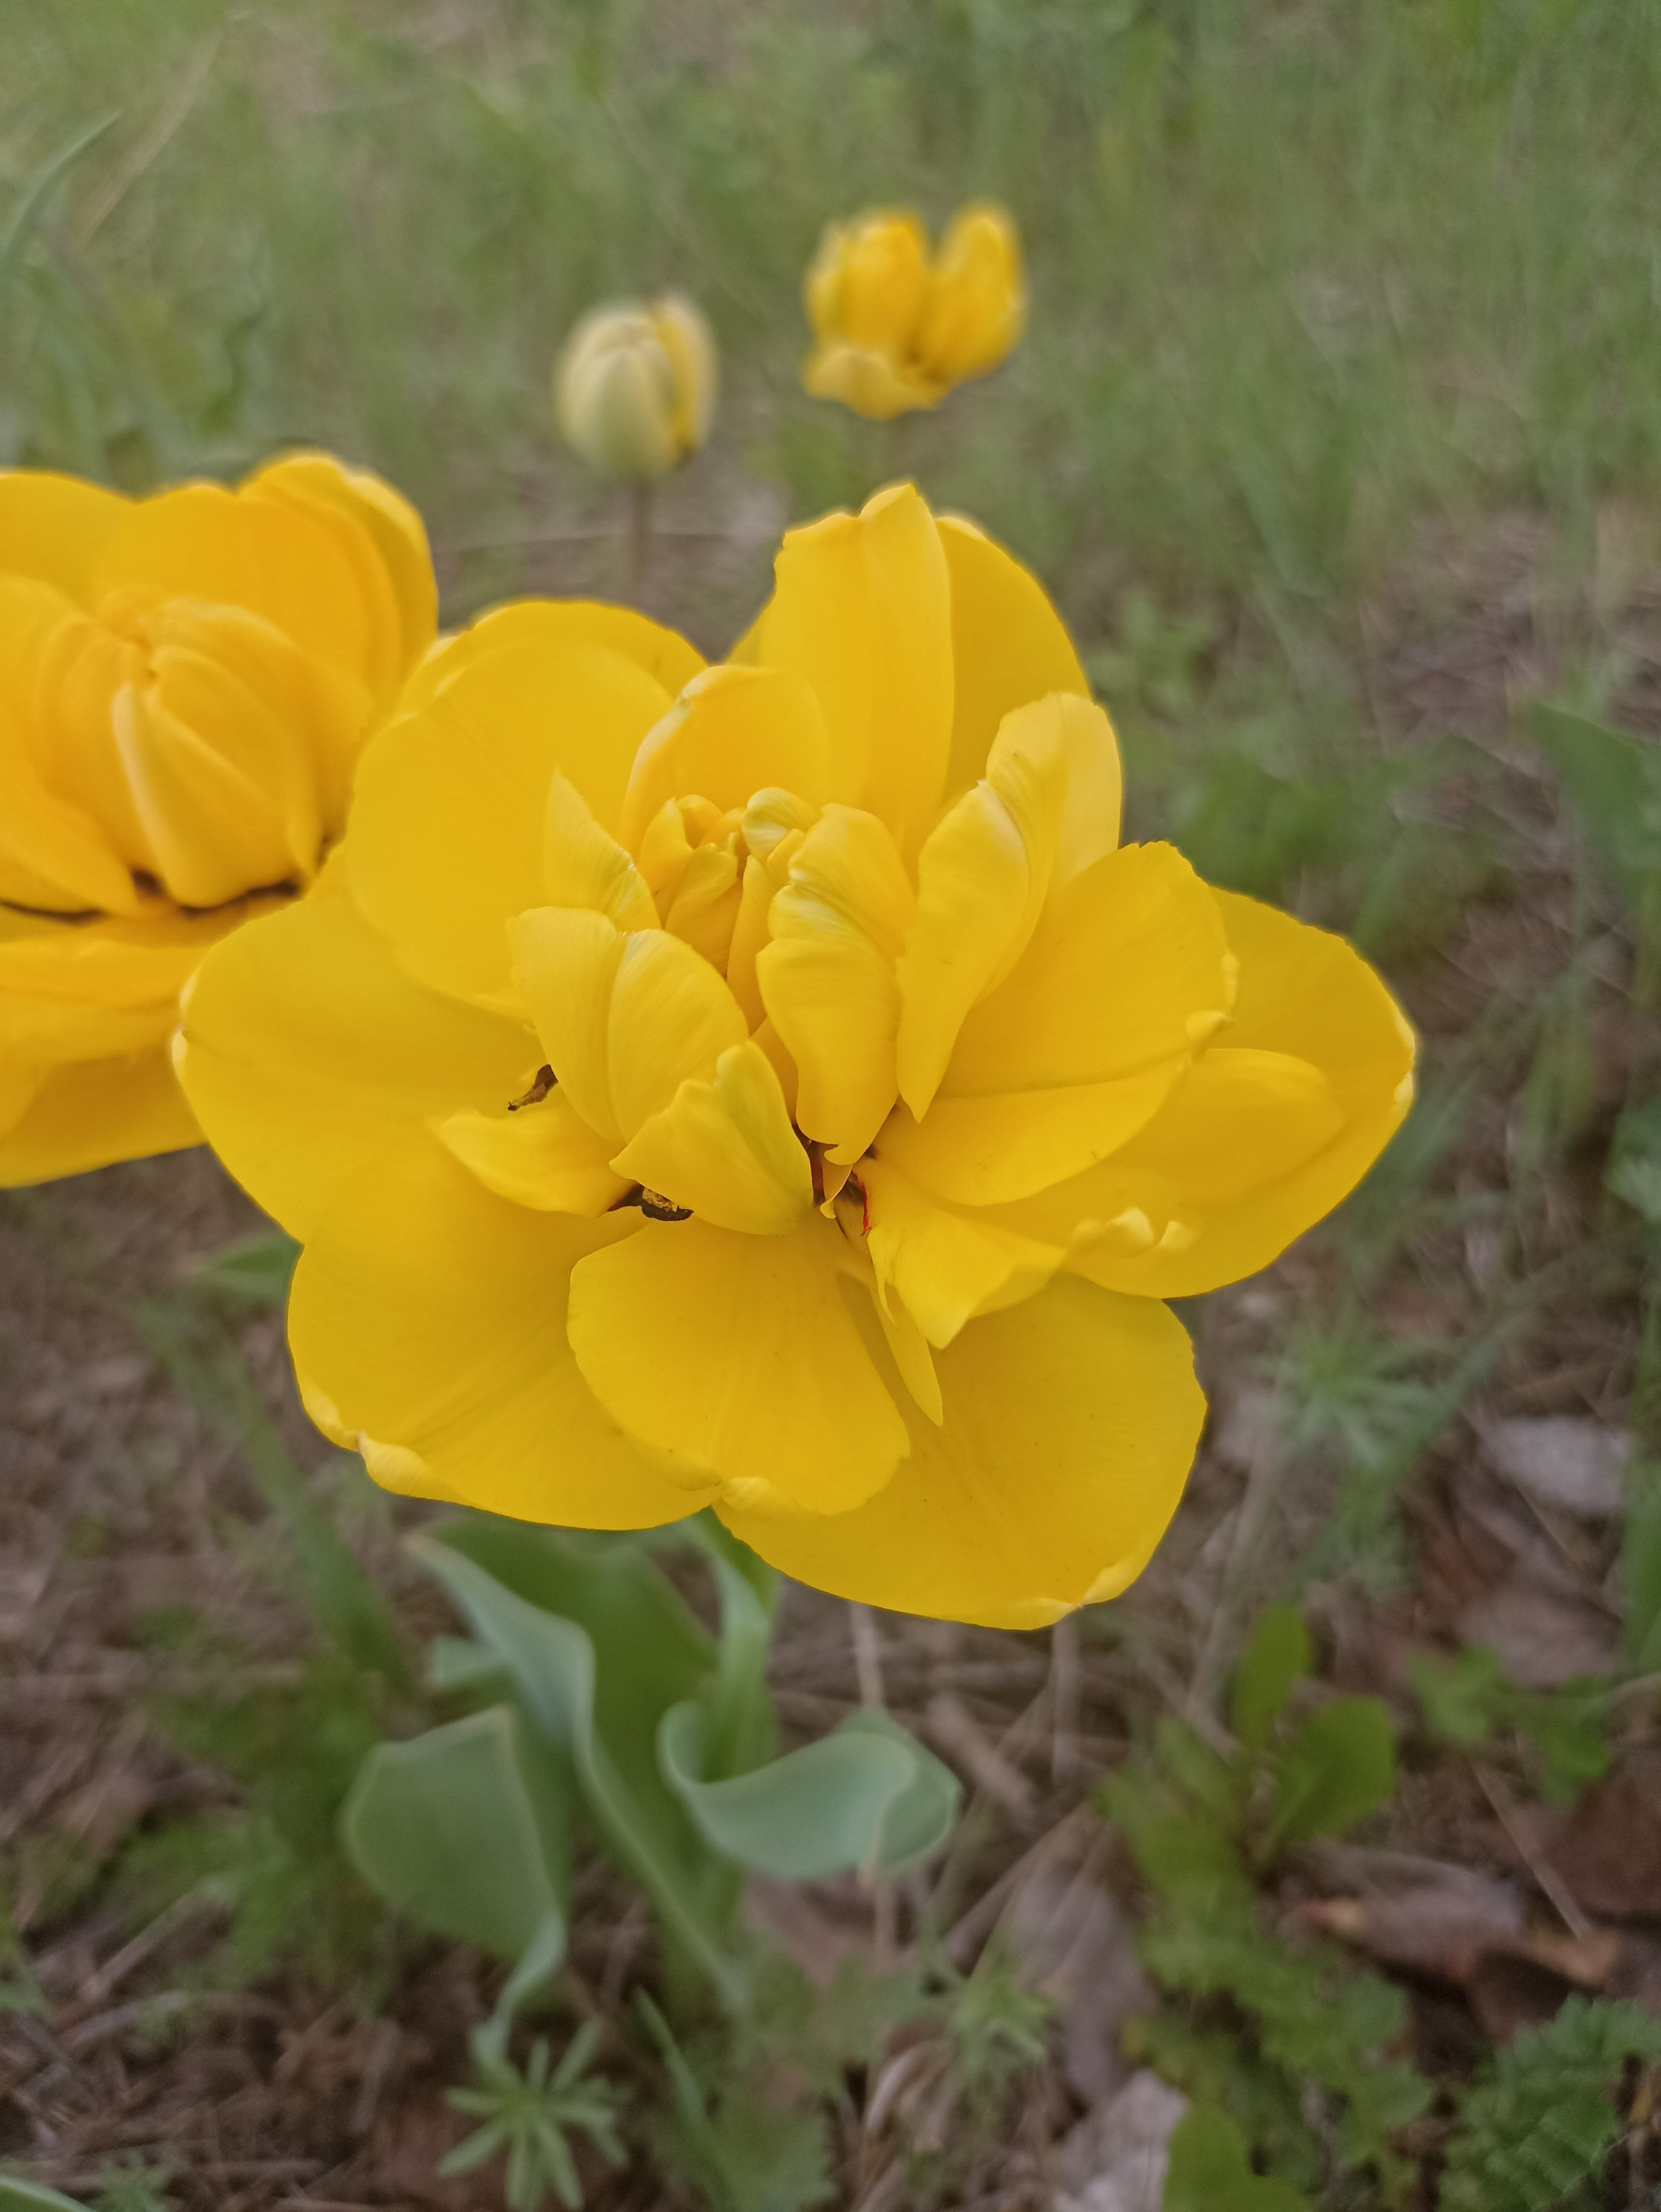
(184, 682)
(635, 387)
(893, 329)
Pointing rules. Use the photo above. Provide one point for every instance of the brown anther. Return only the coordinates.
(543, 1083)
(656, 1207)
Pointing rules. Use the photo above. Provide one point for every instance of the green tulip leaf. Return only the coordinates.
(17, 2196)
(1279, 1654)
(592, 1677)
(464, 1829)
(1339, 1767)
(866, 1796)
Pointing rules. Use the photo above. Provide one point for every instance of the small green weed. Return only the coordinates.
(1537, 2130)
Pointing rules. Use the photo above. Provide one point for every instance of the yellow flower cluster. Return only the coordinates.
(774, 1087)
(769, 1085)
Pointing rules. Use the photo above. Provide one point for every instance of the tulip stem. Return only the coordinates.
(867, 1654)
(638, 540)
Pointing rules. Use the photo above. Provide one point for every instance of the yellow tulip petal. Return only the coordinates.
(275, 557)
(448, 818)
(827, 978)
(991, 1151)
(55, 527)
(552, 627)
(726, 1148)
(704, 908)
(624, 1020)
(91, 1112)
(1127, 972)
(382, 538)
(946, 1262)
(90, 990)
(982, 876)
(54, 852)
(1070, 1423)
(214, 833)
(305, 1046)
(1263, 1139)
(868, 279)
(872, 382)
(750, 935)
(1009, 646)
(974, 308)
(430, 1317)
(737, 1358)
(565, 968)
(581, 865)
(863, 611)
(544, 1155)
(19, 1084)
(732, 732)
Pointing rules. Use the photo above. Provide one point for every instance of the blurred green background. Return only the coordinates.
(1304, 272)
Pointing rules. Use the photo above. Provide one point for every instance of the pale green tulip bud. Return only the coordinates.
(635, 387)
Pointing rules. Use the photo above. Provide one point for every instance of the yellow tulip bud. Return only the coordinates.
(635, 387)
(185, 681)
(895, 330)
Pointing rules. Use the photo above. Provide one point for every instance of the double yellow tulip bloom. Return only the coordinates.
(894, 330)
(184, 682)
(774, 1087)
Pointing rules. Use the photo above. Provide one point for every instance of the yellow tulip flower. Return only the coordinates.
(184, 682)
(635, 388)
(892, 329)
(773, 1085)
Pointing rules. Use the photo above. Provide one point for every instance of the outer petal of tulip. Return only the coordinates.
(868, 281)
(759, 1379)
(84, 1113)
(861, 609)
(1009, 646)
(1069, 1425)
(306, 1048)
(430, 1317)
(977, 305)
(92, 990)
(877, 384)
(385, 541)
(1126, 974)
(1276, 1124)
(449, 815)
(537, 626)
(55, 527)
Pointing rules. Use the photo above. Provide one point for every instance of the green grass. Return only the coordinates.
(1303, 273)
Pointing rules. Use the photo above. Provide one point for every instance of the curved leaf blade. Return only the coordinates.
(463, 1829)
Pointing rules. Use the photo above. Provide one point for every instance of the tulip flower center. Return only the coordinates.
(207, 758)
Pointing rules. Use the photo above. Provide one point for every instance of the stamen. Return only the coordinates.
(652, 1203)
(656, 1207)
(542, 1083)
